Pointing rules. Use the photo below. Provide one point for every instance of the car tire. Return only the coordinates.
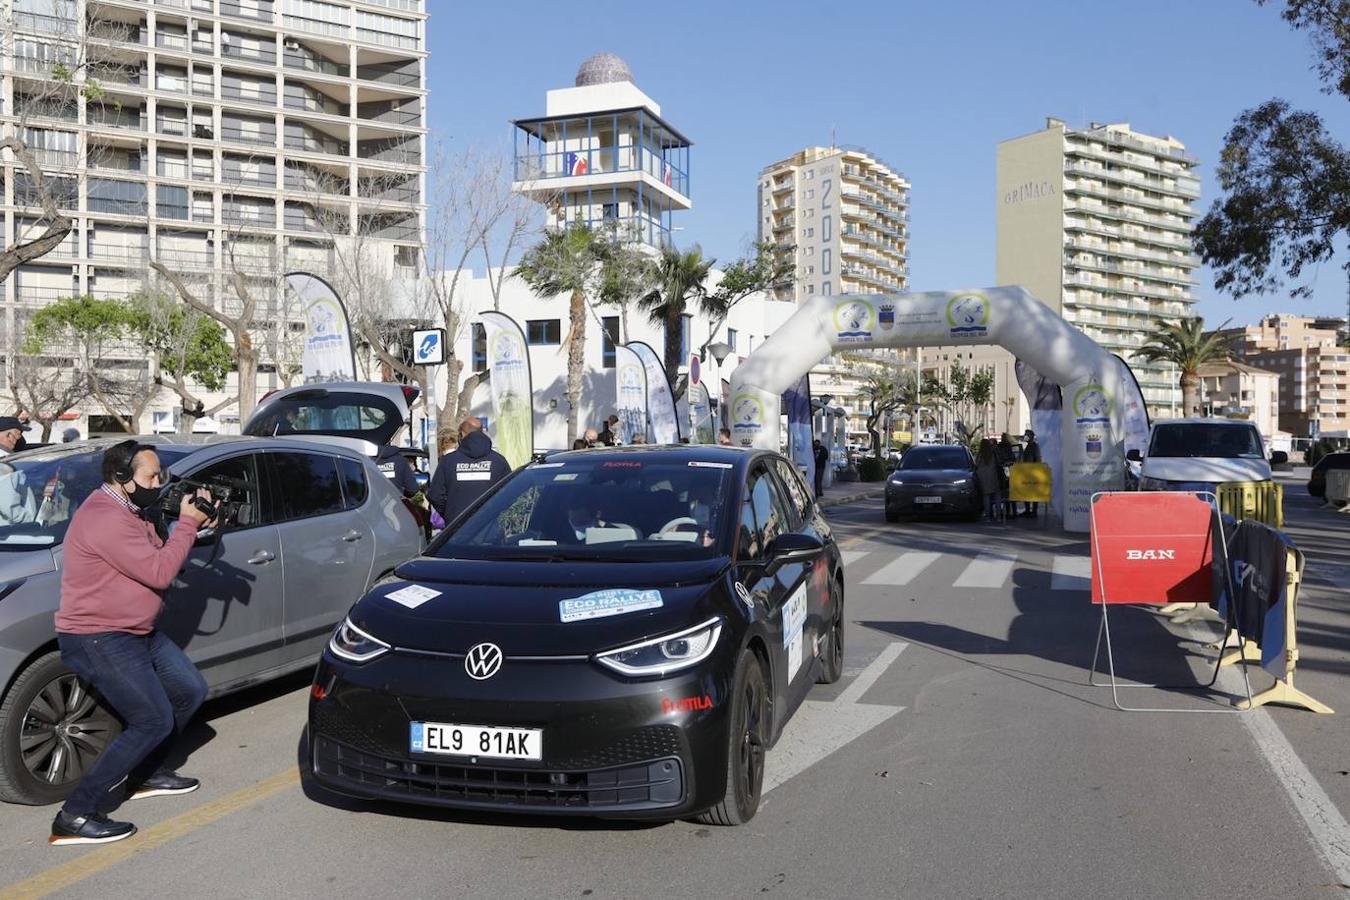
(832, 658)
(46, 696)
(892, 515)
(747, 741)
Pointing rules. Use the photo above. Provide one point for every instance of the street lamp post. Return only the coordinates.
(720, 350)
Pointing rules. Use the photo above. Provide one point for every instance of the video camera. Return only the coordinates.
(228, 498)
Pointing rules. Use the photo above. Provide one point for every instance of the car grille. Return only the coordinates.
(654, 784)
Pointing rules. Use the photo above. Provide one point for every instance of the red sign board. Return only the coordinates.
(695, 367)
(1151, 547)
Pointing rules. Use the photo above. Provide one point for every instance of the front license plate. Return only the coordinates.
(927, 499)
(477, 740)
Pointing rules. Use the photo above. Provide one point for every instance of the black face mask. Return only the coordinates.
(141, 497)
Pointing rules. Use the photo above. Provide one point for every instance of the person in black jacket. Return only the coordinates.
(1031, 453)
(821, 455)
(397, 469)
(464, 474)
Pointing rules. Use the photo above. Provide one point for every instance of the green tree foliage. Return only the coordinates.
(87, 322)
(770, 267)
(568, 262)
(679, 277)
(967, 395)
(1185, 345)
(885, 390)
(1285, 178)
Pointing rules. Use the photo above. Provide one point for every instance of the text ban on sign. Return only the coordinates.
(1151, 548)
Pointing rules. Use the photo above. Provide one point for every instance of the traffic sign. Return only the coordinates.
(428, 346)
(695, 365)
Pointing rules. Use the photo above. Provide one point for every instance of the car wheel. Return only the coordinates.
(892, 514)
(52, 728)
(749, 738)
(832, 659)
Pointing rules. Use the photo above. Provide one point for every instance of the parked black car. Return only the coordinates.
(1317, 480)
(933, 480)
(617, 632)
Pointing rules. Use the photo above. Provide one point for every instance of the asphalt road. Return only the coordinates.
(970, 759)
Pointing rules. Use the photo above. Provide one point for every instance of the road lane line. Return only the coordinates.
(988, 570)
(1071, 573)
(903, 570)
(1327, 827)
(851, 556)
(60, 877)
(868, 676)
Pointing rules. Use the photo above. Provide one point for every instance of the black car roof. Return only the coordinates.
(737, 456)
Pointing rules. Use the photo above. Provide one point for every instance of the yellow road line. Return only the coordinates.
(60, 877)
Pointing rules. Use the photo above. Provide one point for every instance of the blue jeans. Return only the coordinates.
(152, 687)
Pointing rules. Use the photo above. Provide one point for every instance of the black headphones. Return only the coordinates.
(126, 456)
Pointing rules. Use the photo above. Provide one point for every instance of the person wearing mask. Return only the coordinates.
(11, 434)
(465, 474)
(724, 437)
(1031, 453)
(990, 478)
(114, 572)
(609, 434)
(822, 459)
(1006, 456)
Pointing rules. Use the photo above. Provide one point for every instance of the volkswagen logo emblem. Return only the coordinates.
(483, 661)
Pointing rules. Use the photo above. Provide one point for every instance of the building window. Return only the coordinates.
(810, 193)
(810, 232)
(611, 337)
(731, 339)
(544, 331)
(810, 270)
(479, 347)
(810, 174)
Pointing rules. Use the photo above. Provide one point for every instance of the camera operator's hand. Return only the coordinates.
(189, 513)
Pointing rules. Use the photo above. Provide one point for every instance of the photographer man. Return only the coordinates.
(115, 570)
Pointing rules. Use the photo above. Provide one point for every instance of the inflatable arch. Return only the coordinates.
(1101, 400)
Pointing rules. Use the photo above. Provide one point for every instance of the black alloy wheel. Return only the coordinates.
(832, 657)
(52, 729)
(749, 737)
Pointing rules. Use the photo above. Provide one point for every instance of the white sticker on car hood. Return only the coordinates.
(611, 602)
(412, 596)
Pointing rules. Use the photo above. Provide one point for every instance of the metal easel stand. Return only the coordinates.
(1104, 631)
(1284, 691)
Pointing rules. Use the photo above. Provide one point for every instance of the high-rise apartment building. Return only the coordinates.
(215, 137)
(1314, 372)
(1097, 223)
(847, 214)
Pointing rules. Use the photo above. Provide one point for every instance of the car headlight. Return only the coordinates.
(354, 645)
(961, 481)
(661, 655)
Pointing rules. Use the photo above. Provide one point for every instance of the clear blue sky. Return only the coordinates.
(931, 87)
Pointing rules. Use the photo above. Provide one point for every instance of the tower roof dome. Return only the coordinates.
(603, 68)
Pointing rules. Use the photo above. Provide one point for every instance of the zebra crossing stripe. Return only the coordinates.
(988, 570)
(851, 556)
(903, 569)
(1071, 573)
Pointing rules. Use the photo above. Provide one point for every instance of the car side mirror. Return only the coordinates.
(790, 548)
(1134, 456)
(1279, 458)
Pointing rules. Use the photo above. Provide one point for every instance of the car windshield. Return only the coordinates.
(1200, 440)
(935, 458)
(40, 491)
(623, 509)
(340, 413)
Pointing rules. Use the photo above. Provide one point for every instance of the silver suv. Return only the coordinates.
(317, 525)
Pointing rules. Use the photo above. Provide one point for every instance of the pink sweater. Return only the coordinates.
(115, 568)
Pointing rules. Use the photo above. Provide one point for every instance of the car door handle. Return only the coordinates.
(262, 557)
(352, 536)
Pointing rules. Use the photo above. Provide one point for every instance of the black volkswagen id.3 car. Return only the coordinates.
(614, 632)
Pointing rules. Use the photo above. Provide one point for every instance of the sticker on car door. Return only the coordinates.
(794, 619)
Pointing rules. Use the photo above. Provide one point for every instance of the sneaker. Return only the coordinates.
(91, 829)
(163, 784)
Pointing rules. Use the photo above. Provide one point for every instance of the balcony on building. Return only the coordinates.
(631, 148)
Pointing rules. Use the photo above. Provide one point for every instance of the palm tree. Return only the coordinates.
(565, 262)
(1184, 344)
(679, 277)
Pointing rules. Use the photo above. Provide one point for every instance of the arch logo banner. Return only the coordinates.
(853, 321)
(968, 316)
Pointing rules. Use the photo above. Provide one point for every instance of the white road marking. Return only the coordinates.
(821, 727)
(1328, 829)
(988, 570)
(851, 556)
(1071, 573)
(903, 570)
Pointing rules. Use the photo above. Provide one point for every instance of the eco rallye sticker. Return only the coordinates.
(611, 602)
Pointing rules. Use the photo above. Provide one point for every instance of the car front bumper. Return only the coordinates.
(960, 500)
(610, 746)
